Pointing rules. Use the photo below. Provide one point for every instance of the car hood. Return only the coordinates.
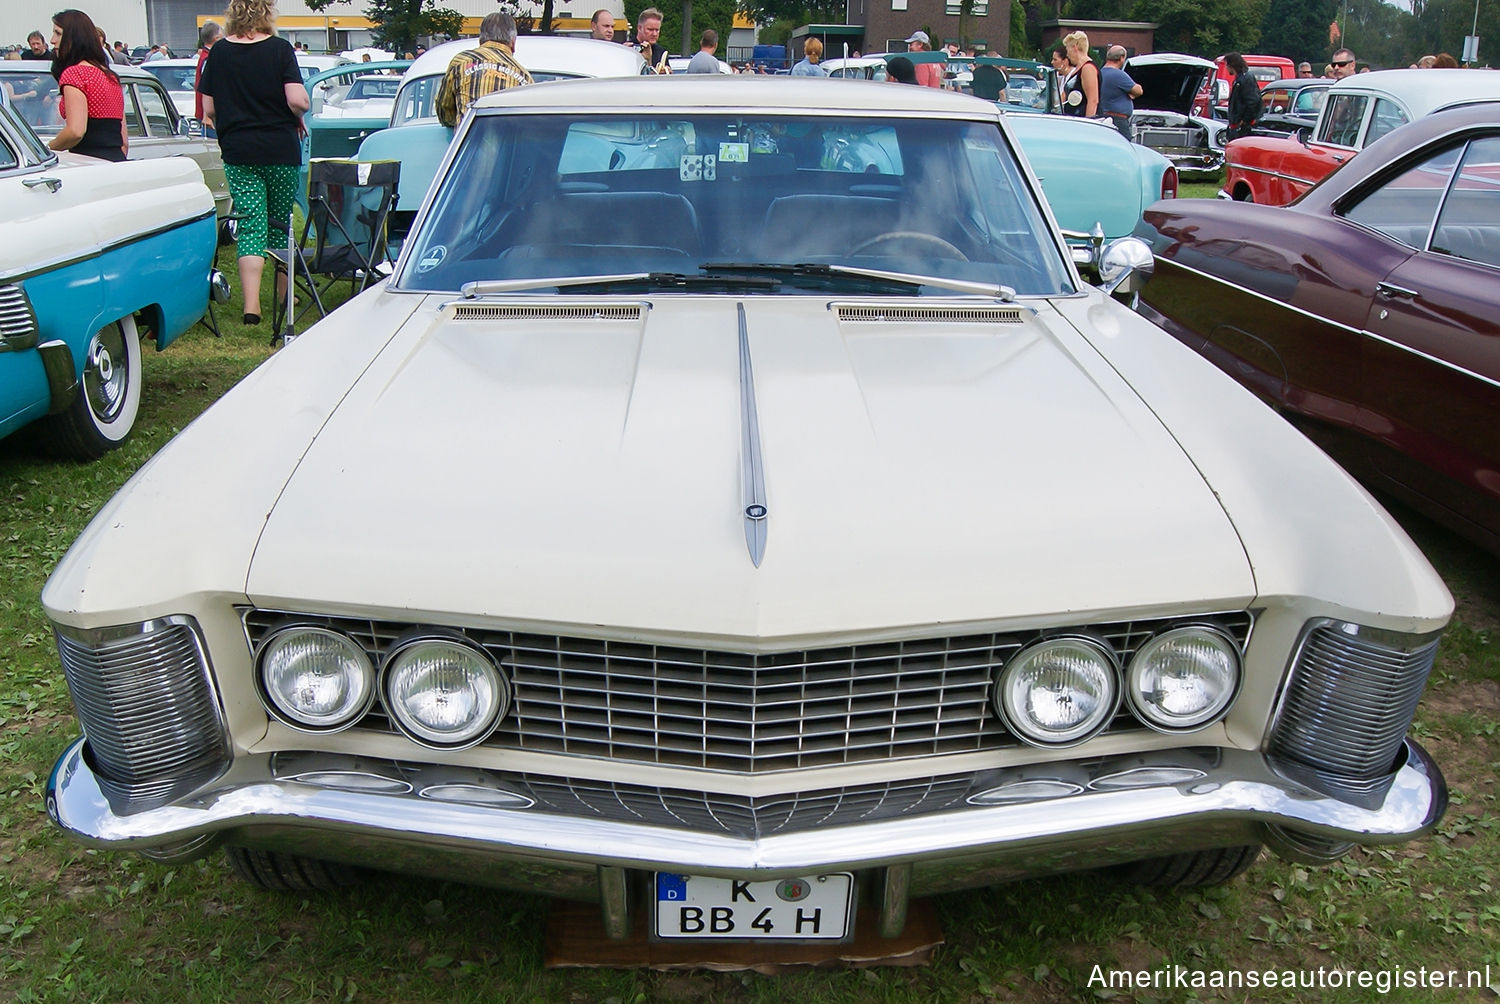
(1169, 82)
(551, 462)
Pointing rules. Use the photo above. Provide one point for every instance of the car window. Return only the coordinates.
(1273, 100)
(415, 100)
(154, 107)
(1342, 118)
(1404, 207)
(8, 158)
(35, 97)
(576, 195)
(1387, 117)
(1469, 225)
(134, 126)
(1310, 100)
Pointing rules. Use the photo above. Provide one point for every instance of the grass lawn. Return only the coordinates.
(81, 925)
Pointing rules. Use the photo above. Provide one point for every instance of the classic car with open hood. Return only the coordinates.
(1163, 118)
(736, 494)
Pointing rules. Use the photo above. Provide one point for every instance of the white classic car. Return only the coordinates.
(704, 514)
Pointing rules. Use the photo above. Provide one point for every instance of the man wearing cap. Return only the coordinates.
(1117, 91)
(928, 74)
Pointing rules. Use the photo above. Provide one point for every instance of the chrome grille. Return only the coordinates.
(1350, 700)
(743, 815)
(987, 315)
(146, 705)
(513, 312)
(17, 320)
(746, 712)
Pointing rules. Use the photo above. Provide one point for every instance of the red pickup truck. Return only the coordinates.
(1215, 92)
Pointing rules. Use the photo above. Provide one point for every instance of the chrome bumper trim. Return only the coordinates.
(1135, 795)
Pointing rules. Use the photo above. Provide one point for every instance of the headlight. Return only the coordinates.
(315, 678)
(1184, 678)
(444, 693)
(1059, 692)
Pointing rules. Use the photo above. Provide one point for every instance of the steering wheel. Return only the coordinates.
(911, 235)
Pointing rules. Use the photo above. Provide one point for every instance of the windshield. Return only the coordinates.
(531, 196)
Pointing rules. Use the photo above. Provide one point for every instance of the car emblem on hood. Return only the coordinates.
(752, 476)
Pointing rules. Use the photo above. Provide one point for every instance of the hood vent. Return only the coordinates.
(942, 315)
(545, 312)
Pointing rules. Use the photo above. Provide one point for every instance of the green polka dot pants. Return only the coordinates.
(261, 192)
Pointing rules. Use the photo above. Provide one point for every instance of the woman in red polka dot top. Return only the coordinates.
(93, 105)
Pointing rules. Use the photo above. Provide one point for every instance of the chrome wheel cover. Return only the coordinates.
(106, 373)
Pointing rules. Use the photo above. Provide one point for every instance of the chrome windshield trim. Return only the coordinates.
(752, 472)
(496, 287)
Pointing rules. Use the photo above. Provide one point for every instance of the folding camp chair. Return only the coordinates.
(349, 203)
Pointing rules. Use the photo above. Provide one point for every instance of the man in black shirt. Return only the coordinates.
(647, 31)
(37, 48)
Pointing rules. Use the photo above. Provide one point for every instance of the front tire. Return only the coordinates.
(278, 872)
(1186, 871)
(104, 410)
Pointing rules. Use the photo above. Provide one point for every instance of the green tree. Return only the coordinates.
(399, 23)
(1020, 45)
(1205, 28)
(715, 14)
(1298, 29)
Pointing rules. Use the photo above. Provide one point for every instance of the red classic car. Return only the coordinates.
(1274, 170)
(1366, 312)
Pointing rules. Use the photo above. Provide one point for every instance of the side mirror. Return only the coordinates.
(1125, 265)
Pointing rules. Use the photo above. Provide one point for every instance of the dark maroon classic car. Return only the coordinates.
(1368, 312)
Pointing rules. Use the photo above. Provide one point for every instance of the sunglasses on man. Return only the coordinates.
(1342, 62)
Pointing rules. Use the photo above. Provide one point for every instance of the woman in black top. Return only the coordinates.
(253, 97)
(92, 104)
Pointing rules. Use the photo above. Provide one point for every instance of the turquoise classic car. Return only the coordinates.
(94, 257)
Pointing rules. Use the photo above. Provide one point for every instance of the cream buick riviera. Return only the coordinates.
(736, 507)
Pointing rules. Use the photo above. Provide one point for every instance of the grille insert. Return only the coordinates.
(746, 712)
(979, 315)
(18, 328)
(555, 312)
(147, 708)
(1351, 699)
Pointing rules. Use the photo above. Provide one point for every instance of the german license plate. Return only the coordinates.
(796, 909)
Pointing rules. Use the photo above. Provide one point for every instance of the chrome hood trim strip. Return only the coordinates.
(752, 472)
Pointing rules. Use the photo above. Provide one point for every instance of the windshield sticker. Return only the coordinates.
(698, 167)
(432, 258)
(734, 153)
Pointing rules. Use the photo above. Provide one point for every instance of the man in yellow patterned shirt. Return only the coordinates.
(477, 72)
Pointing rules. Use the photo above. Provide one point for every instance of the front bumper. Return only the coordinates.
(1016, 822)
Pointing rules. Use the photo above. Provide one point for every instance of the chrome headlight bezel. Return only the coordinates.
(493, 692)
(349, 712)
(1152, 715)
(1008, 687)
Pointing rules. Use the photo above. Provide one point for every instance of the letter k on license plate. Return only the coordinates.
(795, 909)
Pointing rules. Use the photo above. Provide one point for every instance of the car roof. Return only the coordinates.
(37, 66)
(1421, 92)
(549, 53)
(185, 61)
(1298, 82)
(774, 95)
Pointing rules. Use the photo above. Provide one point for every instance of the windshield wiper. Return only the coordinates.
(626, 280)
(898, 281)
